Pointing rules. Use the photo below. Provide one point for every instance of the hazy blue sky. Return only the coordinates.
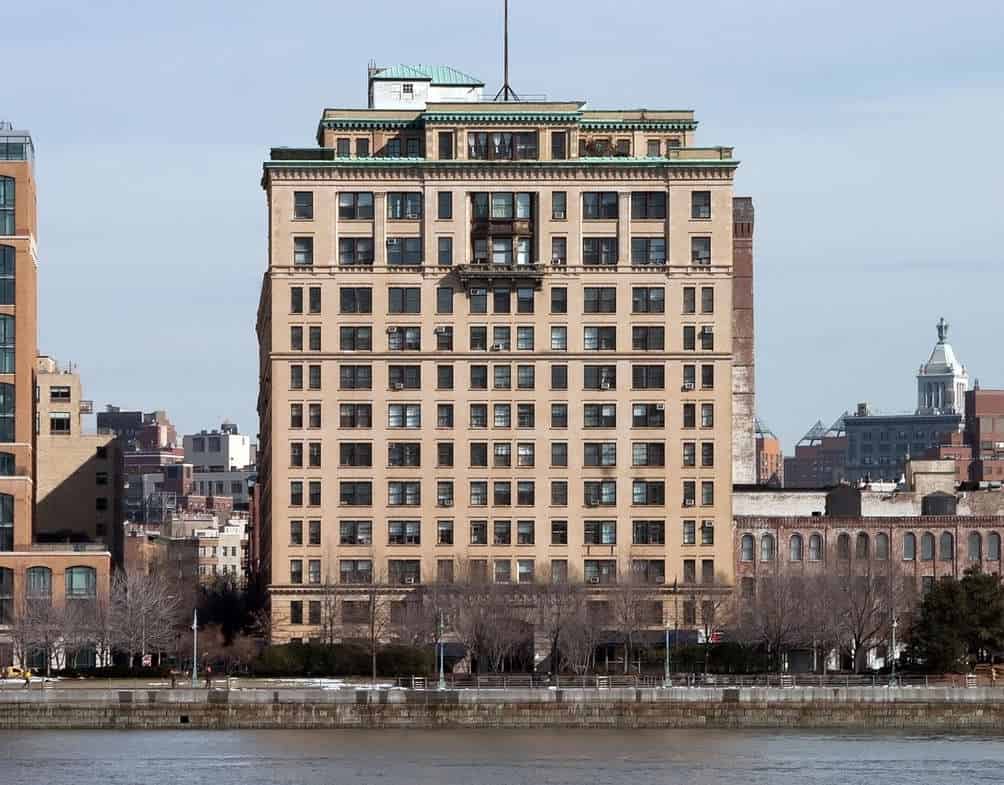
(869, 133)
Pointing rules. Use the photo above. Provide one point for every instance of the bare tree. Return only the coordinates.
(582, 634)
(144, 613)
(630, 609)
(555, 604)
(715, 604)
(861, 602)
(775, 616)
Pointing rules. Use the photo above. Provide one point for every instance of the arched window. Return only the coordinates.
(844, 546)
(6, 595)
(39, 584)
(767, 547)
(6, 343)
(815, 547)
(6, 412)
(795, 547)
(7, 206)
(81, 583)
(947, 547)
(6, 522)
(746, 547)
(909, 546)
(927, 547)
(6, 275)
(882, 546)
(993, 547)
(861, 546)
(975, 546)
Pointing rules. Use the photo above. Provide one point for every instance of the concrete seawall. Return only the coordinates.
(933, 709)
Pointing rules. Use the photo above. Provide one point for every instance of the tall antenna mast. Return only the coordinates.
(506, 93)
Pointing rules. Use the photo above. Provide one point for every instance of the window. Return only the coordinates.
(362, 148)
(296, 606)
(402, 571)
(707, 377)
(444, 339)
(559, 145)
(444, 302)
(599, 377)
(445, 139)
(648, 533)
(707, 532)
(356, 494)
(648, 250)
(478, 339)
(648, 492)
(648, 299)
(599, 204)
(479, 493)
(314, 338)
(648, 377)
(707, 454)
(746, 547)
(479, 532)
(404, 250)
(653, 148)
(599, 250)
(600, 532)
(444, 205)
(501, 339)
(343, 147)
(355, 571)
(404, 415)
(707, 493)
(7, 206)
(689, 299)
(502, 494)
(314, 415)
(39, 585)
(559, 252)
(648, 415)
(503, 571)
(413, 147)
(404, 454)
(6, 522)
(559, 415)
(314, 571)
(707, 299)
(993, 547)
(559, 299)
(707, 336)
(689, 493)
(648, 454)
(404, 533)
(393, 148)
(303, 205)
(303, 251)
(524, 339)
(295, 294)
(404, 493)
(602, 571)
(444, 454)
(355, 206)
(525, 377)
(648, 338)
(404, 339)
(296, 457)
(600, 493)
(404, 299)
(599, 338)
(795, 547)
(559, 493)
(559, 205)
(59, 422)
(599, 415)
(700, 251)
(493, 145)
(502, 533)
(648, 204)
(355, 532)
(444, 415)
(444, 377)
(355, 339)
(946, 547)
(524, 570)
(700, 204)
(862, 547)
(815, 547)
(599, 299)
(559, 377)
(444, 251)
(707, 415)
(767, 547)
(81, 583)
(844, 547)
(559, 454)
(355, 299)
(314, 377)
(599, 454)
(559, 339)
(502, 415)
(405, 206)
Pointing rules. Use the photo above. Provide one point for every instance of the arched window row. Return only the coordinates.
(944, 547)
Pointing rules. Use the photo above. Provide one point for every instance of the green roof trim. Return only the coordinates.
(439, 75)
(501, 117)
(354, 123)
(638, 125)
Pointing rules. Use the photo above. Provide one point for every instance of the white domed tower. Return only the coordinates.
(942, 381)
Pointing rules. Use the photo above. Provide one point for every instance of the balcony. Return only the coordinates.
(509, 227)
(485, 274)
(87, 407)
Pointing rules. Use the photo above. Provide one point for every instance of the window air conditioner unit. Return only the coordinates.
(496, 347)
(660, 407)
(392, 329)
(594, 580)
(398, 385)
(364, 541)
(606, 386)
(707, 330)
(501, 386)
(688, 502)
(445, 503)
(441, 330)
(592, 503)
(409, 579)
(688, 386)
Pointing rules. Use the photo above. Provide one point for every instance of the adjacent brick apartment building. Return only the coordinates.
(496, 339)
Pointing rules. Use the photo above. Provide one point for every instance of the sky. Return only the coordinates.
(869, 137)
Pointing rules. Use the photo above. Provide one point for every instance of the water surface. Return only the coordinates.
(490, 757)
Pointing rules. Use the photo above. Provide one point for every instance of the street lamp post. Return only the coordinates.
(665, 680)
(442, 653)
(895, 624)
(195, 647)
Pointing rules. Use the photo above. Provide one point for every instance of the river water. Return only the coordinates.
(488, 757)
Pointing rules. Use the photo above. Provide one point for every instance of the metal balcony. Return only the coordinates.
(487, 275)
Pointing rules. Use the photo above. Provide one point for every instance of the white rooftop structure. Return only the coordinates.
(942, 381)
(413, 86)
